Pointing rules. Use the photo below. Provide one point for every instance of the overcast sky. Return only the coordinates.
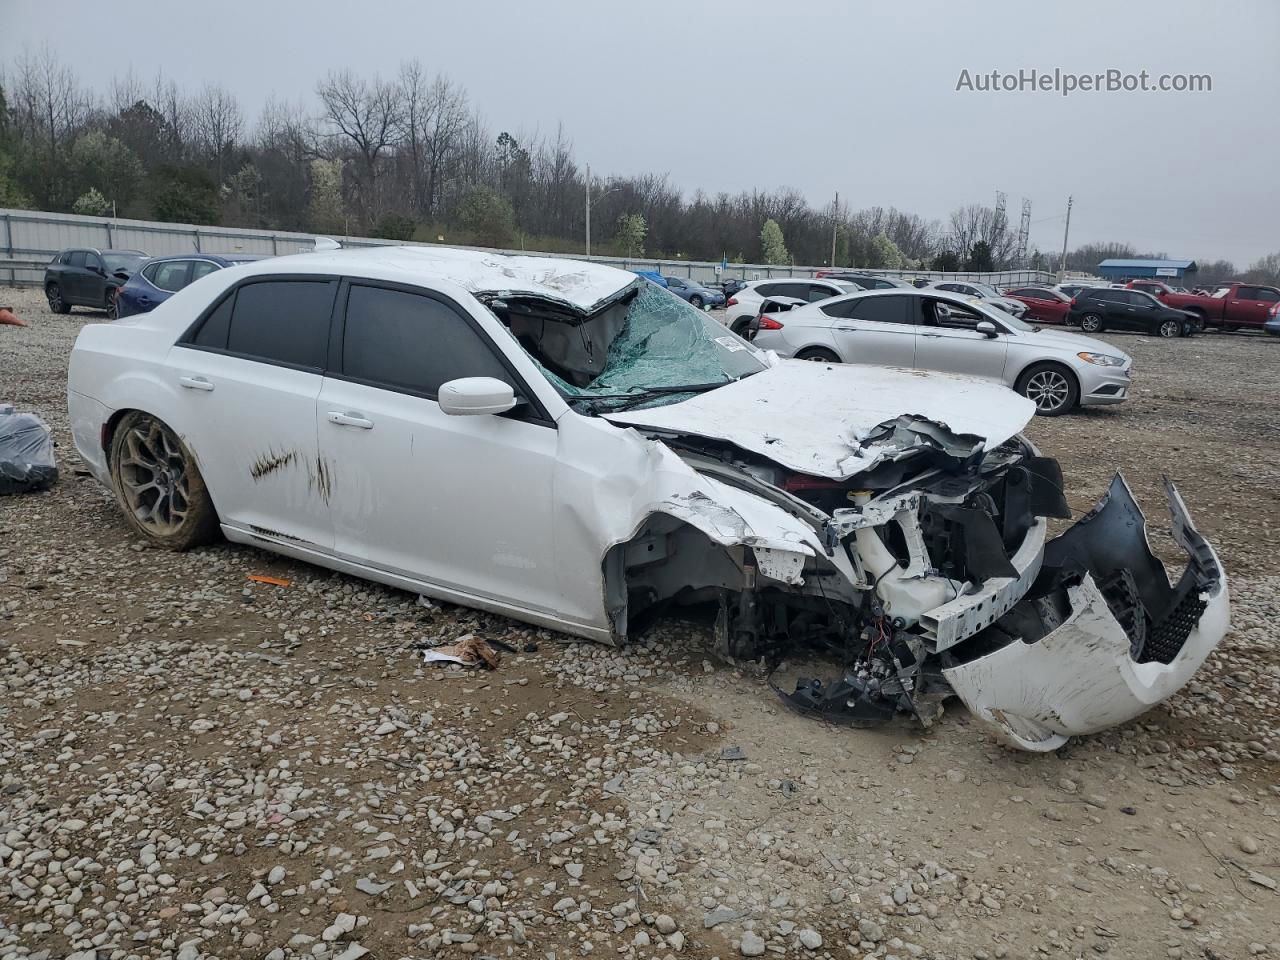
(821, 96)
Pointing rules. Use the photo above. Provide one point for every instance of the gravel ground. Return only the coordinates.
(196, 765)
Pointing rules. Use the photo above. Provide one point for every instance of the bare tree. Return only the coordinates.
(367, 115)
(217, 125)
(446, 119)
(175, 111)
(976, 223)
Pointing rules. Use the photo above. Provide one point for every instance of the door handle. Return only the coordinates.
(932, 336)
(350, 419)
(846, 329)
(195, 383)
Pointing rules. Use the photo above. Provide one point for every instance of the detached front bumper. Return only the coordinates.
(1102, 636)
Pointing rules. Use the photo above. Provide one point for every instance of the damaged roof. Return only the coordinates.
(824, 419)
(579, 284)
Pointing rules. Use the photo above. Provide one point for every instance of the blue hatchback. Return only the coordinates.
(161, 277)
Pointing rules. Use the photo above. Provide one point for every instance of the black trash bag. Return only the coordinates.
(26, 453)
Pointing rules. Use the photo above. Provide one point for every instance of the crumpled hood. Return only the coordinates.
(836, 420)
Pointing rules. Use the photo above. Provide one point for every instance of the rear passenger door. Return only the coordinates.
(246, 378)
(876, 330)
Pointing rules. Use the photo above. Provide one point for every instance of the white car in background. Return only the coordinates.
(573, 446)
(744, 306)
(984, 292)
(931, 329)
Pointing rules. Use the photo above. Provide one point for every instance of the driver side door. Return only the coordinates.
(949, 341)
(462, 503)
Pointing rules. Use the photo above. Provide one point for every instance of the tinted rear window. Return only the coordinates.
(286, 321)
(213, 332)
(882, 310)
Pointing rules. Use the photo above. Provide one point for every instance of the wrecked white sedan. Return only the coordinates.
(575, 447)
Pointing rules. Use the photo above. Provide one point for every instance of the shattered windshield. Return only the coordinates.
(646, 345)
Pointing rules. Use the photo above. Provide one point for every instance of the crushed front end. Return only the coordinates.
(932, 577)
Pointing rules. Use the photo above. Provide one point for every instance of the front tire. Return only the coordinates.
(158, 485)
(1091, 323)
(1051, 387)
(57, 304)
(818, 355)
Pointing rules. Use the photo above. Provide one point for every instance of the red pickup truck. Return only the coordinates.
(1231, 306)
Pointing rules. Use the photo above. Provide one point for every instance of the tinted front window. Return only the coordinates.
(412, 342)
(283, 320)
(882, 310)
(1246, 293)
(76, 259)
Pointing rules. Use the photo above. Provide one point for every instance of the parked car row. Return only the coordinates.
(88, 277)
(125, 282)
(933, 329)
(1231, 306)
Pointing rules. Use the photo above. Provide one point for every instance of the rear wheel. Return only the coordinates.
(113, 309)
(818, 355)
(158, 484)
(1168, 329)
(1091, 323)
(740, 326)
(53, 293)
(1052, 388)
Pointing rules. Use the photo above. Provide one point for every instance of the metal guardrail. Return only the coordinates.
(11, 267)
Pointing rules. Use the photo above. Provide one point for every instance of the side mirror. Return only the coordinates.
(474, 396)
(987, 329)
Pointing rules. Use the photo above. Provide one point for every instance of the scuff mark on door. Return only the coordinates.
(270, 462)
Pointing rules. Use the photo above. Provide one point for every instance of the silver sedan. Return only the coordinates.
(931, 329)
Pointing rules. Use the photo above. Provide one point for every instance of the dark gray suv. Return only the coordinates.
(88, 277)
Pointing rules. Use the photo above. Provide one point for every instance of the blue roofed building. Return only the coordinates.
(1172, 271)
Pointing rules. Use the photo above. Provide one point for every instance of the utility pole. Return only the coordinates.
(588, 209)
(1062, 264)
(835, 225)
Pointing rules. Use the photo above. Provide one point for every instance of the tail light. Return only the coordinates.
(733, 302)
(1275, 309)
(768, 323)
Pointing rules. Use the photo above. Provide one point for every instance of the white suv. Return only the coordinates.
(744, 306)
